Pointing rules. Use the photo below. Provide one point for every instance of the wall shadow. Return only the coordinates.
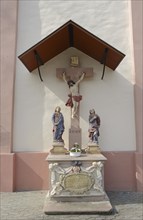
(31, 171)
(111, 97)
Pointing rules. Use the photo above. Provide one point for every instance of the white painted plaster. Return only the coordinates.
(112, 97)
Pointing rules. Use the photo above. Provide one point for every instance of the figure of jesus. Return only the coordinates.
(74, 96)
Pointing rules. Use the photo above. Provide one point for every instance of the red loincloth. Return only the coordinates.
(76, 98)
(69, 102)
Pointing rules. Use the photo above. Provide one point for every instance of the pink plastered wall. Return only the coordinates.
(8, 16)
(31, 171)
(137, 24)
(120, 171)
(7, 172)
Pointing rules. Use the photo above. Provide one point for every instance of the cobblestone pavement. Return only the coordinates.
(29, 206)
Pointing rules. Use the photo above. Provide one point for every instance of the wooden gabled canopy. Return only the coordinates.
(71, 35)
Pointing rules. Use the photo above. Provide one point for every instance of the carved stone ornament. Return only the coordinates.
(78, 182)
(74, 61)
(76, 179)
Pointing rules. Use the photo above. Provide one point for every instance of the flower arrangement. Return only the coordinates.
(75, 150)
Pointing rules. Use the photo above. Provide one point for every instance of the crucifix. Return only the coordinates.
(73, 76)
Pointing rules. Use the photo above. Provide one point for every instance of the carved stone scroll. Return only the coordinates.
(76, 179)
(78, 183)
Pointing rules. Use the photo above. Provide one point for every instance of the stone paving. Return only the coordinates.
(28, 205)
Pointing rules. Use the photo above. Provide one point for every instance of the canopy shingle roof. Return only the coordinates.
(71, 35)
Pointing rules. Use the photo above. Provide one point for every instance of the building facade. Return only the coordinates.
(27, 104)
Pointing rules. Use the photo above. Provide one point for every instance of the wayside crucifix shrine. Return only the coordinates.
(76, 175)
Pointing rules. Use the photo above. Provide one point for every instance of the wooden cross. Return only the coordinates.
(74, 74)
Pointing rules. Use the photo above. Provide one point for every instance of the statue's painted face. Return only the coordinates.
(57, 111)
(71, 83)
(92, 112)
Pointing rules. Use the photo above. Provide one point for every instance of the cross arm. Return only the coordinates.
(74, 73)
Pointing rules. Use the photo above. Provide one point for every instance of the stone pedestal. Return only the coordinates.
(74, 137)
(76, 185)
(58, 148)
(93, 148)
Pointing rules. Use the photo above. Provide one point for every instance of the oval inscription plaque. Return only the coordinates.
(78, 183)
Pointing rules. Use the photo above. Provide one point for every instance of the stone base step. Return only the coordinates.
(80, 198)
(53, 207)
